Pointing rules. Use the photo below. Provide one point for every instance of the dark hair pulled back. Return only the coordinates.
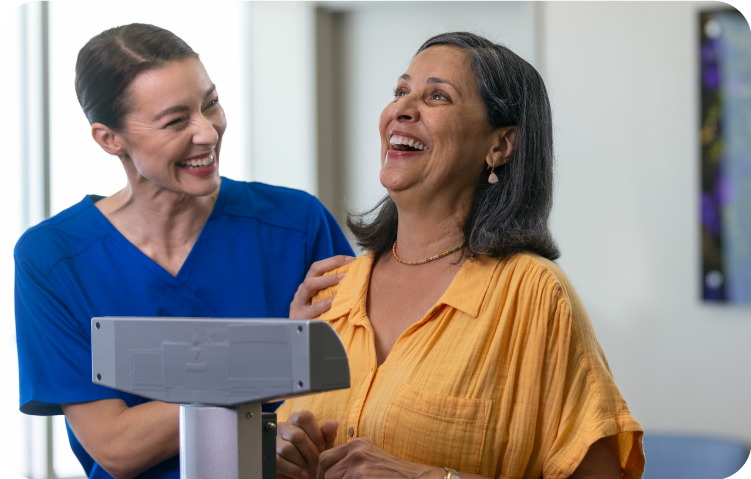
(512, 215)
(110, 61)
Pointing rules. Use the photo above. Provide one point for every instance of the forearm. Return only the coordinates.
(124, 440)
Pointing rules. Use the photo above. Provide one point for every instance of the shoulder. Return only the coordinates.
(529, 280)
(65, 235)
(525, 271)
(564, 305)
(554, 275)
(357, 274)
(548, 271)
(274, 205)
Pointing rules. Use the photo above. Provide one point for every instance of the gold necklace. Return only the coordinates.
(426, 260)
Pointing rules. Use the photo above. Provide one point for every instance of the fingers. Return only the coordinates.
(289, 460)
(301, 306)
(325, 265)
(312, 285)
(299, 442)
(330, 458)
(306, 421)
(361, 458)
(328, 430)
(311, 311)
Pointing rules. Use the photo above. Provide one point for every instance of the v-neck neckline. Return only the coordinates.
(194, 258)
(360, 309)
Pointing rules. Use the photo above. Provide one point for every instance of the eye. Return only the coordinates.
(438, 95)
(213, 102)
(399, 92)
(175, 122)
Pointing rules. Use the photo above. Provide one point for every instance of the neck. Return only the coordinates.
(157, 216)
(430, 225)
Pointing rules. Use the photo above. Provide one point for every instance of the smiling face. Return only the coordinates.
(173, 132)
(434, 136)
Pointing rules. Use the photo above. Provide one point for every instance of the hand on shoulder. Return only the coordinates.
(322, 276)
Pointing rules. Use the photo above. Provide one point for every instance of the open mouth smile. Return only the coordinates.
(404, 143)
(196, 163)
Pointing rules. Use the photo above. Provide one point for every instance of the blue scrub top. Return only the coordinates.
(248, 261)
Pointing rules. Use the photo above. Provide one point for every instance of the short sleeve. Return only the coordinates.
(325, 238)
(591, 406)
(54, 348)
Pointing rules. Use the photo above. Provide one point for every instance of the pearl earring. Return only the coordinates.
(493, 178)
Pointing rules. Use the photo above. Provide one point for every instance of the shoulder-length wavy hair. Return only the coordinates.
(512, 215)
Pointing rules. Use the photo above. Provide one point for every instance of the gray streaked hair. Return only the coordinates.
(512, 215)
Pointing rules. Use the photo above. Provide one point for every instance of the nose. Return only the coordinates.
(204, 132)
(404, 109)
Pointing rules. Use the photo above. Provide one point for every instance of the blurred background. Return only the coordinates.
(303, 85)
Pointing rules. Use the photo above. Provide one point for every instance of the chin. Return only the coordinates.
(397, 180)
(204, 187)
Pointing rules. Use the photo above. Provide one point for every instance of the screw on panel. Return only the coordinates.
(271, 427)
(98, 325)
(98, 377)
(248, 415)
(299, 329)
(300, 384)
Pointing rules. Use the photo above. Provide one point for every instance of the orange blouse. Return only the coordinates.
(503, 377)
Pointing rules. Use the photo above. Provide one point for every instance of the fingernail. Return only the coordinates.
(349, 259)
(341, 275)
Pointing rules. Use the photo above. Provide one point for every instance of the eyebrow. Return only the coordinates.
(179, 108)
(440, 80)
(407, 78)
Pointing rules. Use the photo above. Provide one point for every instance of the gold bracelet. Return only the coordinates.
(452, 474)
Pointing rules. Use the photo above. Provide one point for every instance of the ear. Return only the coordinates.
(110, 141)
(503, 140)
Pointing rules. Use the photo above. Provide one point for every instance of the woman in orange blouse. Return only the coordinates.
(470, 352)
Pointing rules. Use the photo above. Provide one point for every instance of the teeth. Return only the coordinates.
(403, 140)
(196, 163)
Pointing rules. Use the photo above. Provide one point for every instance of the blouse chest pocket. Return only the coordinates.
(436, 430)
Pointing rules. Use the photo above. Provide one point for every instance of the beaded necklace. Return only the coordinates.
(426, 260)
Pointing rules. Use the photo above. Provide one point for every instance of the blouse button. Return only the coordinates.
(351, 432)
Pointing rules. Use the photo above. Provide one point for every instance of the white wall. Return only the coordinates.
(282, 106)
(623, 82)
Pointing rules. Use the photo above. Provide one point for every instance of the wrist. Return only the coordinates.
(452, 474)
(429, 472)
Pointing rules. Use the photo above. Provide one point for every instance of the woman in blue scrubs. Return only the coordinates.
(178, 240)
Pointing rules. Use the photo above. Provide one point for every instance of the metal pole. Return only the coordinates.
(46, 206)
(221, 442)
(50, 449)
(46, 111)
